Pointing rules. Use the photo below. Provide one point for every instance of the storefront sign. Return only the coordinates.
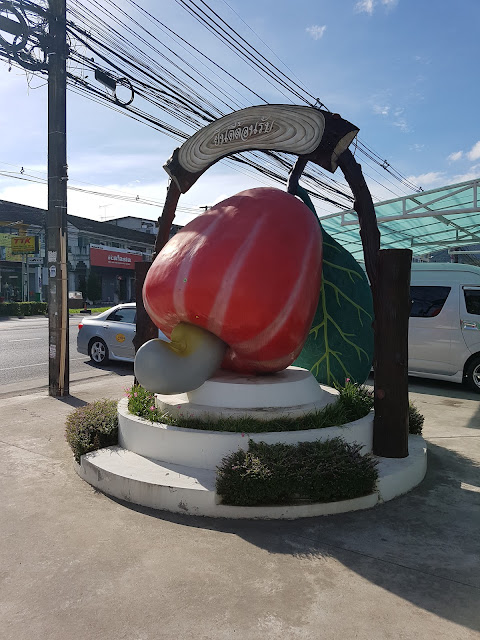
(115, 259)
(24, 244)
(6, 248)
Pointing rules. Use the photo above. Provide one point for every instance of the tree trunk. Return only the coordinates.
(392, 309)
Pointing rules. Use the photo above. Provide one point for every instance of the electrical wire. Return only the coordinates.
(161, 87)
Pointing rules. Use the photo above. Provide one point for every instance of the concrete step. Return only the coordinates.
(152, 483)
(184, 489)
(206, 449)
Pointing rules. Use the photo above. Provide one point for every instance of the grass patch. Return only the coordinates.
(92, 427)
(95, 310)
(354, 402)
(269, 474)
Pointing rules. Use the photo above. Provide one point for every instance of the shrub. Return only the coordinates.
(345, 409)
(22, 308)
(92, 427)
(415, 420)
(354, 402)
(284, 474)
(142, 403)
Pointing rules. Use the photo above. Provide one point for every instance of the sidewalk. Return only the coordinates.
(77, 565)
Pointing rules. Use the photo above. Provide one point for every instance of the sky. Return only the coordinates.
(404, 71)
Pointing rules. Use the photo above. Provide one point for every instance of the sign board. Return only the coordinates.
(115, 259)
(37, 260)
(6, 248)
(316, 135)
(24, 244)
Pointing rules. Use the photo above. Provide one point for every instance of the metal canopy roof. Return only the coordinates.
(424, 222)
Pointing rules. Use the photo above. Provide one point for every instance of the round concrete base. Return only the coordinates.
(292, 392)
(174, 469)
(159, 485)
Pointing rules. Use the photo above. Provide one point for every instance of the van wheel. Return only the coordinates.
(472, 375)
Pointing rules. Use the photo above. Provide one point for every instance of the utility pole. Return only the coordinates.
(58, 370)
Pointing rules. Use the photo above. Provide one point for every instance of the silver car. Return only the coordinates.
(109, 335)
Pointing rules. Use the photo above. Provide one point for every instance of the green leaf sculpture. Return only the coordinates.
(340, 341)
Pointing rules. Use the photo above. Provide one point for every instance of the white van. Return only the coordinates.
(444, 327)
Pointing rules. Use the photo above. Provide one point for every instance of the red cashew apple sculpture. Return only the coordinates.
(237, 287)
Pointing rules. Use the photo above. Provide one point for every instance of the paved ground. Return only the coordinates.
(75, 564)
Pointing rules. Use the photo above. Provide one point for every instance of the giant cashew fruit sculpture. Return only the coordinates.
(248, 271)
(238, 287)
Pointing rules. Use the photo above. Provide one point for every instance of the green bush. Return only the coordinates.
(286, 474)
(357, 400)
(92, 427)
(22, 308)
(415, 420)
(354, 402)
(142, 403)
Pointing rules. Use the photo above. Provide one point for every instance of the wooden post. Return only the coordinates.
(389, 274)
(146, 330)
(167, 217)
(392, 309)
(367, 218)
(58, 341)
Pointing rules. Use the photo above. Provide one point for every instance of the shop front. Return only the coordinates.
(114, 269)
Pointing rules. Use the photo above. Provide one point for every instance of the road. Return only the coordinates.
(24, 361)
(24, 354)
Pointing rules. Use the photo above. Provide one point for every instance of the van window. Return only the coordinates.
(472, 301)
(427, 302)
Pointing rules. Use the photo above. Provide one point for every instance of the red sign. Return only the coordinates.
(115, 259)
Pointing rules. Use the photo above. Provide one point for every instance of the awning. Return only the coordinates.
(425, 222)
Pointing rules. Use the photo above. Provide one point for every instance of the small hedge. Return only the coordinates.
(22, 308)
(269, 474)
(92, 427)
(415, 420)
(354, 402)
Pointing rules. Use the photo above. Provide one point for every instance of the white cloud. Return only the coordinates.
(453, 157)
(214, 186)
(402, 124)
(368, 6)
(430, 179)
(364, 6)
(473, 174)
(382, 110)
(316, 31)
(474, 153)
(417, 147)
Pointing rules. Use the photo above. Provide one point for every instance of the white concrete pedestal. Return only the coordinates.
(292, 392)
(174, 469)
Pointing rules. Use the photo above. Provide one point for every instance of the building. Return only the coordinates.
(141, 224)
(101, 250)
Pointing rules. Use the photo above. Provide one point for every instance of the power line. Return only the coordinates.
(176, 97)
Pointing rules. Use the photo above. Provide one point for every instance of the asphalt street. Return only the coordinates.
(24, 353)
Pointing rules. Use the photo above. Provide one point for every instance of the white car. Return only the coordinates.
(109, 335)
